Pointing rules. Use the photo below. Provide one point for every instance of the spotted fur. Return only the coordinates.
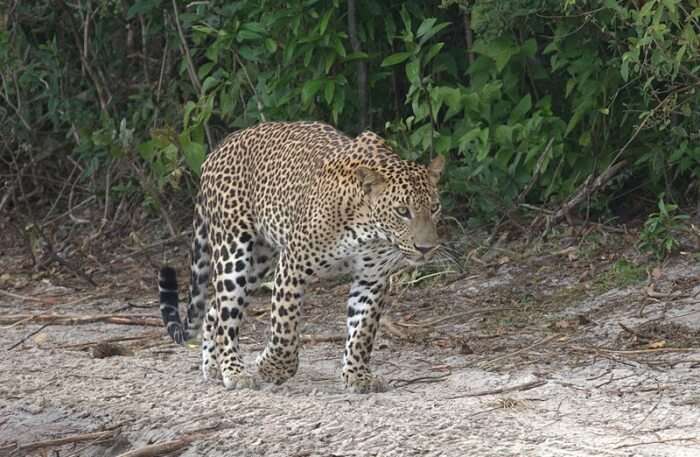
(324, 204)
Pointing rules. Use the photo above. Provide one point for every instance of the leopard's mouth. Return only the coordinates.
(415, 258)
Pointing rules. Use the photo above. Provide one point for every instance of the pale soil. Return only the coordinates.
(569, 399)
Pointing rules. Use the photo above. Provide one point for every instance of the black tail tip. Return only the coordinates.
(168, 278)
(176, 332)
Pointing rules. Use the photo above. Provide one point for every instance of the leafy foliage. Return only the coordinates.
(660, 233)
(518, 94)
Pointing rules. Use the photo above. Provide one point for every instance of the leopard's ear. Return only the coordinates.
(436, 168)
(372, 182)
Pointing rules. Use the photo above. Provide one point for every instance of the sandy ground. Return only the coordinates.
(519, 359)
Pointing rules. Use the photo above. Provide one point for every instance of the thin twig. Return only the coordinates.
(322, 339)
(24, 449)
(437, 320)
(519, 387)
(633, 332)
(46, 301)
(64, 319)
(167, 447)
(252, 87)
(190, 69)
(31, 334)
(670, 440)
(120, 339)
(589, 187)
(157, 244)
(398, 383)
(148, 187)
(70, 211)
(361, 65)
(633, 351)
(527, 348)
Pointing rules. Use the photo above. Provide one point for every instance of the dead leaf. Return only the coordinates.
(649, 290)
(570, 253)
(657, 344)
(40, 338)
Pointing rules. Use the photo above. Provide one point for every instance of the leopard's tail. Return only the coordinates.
(191, 324)
(167, 286)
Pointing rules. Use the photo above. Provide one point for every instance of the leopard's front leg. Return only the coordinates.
(364, 311)
(280, 359)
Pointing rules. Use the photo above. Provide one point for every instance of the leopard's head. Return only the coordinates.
(403, 202)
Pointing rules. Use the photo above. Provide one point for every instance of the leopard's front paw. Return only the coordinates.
(238, 379)
(210, 370)
(210, 366)
(274, 370)
(363, 381)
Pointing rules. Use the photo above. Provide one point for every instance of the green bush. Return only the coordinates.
(535, 95)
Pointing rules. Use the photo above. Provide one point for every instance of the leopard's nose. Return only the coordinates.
(424, 249)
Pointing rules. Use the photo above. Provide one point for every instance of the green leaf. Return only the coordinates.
(328, 62)
(504, 135)
(413, 72)
(194, 153)
(271, 45)
(189, 106)
(141, 7)
(432, 52)
(339, 48)
(396, 59)
(521, 108)
(254, 27)
(247, 35)
(204, 70)
(329, 90)
(443, 144)
(324, 21)
(426, 26)
(338, 103)
(431, 32)
(529, 47)
(356, 56)
(209, 83)
(501, 50)
(310, 89)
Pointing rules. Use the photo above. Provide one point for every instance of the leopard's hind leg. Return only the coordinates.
(234, 277)
(201, 256)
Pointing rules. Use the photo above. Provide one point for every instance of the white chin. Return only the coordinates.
(414, 261)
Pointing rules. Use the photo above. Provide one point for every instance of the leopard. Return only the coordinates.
(315, 203)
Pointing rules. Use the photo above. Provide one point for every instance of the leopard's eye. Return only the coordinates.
(403, 212)
(435, 208)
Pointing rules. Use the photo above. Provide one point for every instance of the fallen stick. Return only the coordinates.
(154, 450)
(634, 332)
(47, 301)
(144, 249)
(502, 390)
(56, 319)
(81, 346)
(670, 440)
(24, 449)
(589, 187)
(527, 348)
(31, 334)
(322, 338)
(437, 320)
(398, 383)
(167, 447)
(632, 351)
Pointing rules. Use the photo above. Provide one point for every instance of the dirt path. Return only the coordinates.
(531, 361)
